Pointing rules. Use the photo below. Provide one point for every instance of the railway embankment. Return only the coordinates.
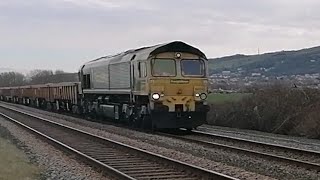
(280, 110)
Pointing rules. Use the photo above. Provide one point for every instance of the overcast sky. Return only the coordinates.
(62, 34)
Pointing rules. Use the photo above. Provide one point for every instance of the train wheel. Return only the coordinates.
(189, 131)
(49, 106)
(56, 106)
(136, 122)
(75, 109)
(93, 114)
(146, 122)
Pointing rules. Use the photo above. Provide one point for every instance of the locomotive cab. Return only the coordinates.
(178, 89)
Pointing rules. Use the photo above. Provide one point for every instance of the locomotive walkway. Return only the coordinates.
(113, 158)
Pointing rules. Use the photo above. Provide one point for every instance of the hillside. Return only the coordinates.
(305, 61)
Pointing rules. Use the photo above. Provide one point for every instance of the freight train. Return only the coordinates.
(163, 86)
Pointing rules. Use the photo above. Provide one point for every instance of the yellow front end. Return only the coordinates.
(178, 88)
(179, 95)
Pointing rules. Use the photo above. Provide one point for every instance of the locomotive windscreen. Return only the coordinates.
(192, 67)
(164, 67)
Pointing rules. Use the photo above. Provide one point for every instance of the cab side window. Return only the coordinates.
(142, 69)
(86, 81)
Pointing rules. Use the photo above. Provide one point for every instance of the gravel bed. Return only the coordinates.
(285, 140)
(213, 159)
(53, 163)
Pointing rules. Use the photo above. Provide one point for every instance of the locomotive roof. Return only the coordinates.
(145, 52)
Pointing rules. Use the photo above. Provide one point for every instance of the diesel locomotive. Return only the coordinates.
(163, 86)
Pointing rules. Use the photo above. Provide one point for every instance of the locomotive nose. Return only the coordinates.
(178, 95)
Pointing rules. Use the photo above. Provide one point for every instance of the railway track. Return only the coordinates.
(307, 159)
(113, 158)
(248, 135)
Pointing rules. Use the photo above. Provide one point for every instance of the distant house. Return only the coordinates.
(255, 74)
(226, 72)
(234, 80)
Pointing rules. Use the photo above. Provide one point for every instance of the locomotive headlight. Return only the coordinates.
(197, 95)
(203, 96)
(155, 96)
(178, 55)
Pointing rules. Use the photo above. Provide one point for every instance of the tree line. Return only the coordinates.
(10, 79)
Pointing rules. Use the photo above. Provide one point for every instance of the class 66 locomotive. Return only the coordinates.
(163, 86)
(159, 87)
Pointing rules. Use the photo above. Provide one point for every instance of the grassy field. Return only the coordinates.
(14, 163)
(217, 98)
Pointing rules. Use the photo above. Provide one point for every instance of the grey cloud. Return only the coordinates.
(76, 30)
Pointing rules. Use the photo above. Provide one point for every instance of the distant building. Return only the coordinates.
(226, 72)
(255, 74)
(234, 80)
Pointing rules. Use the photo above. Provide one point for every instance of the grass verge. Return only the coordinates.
(14, 164)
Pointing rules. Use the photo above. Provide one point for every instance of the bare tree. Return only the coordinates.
(40, 76)
(8, 79)
(58, 71)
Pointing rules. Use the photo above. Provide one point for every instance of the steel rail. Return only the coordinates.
(241, 133)
(248, 141)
